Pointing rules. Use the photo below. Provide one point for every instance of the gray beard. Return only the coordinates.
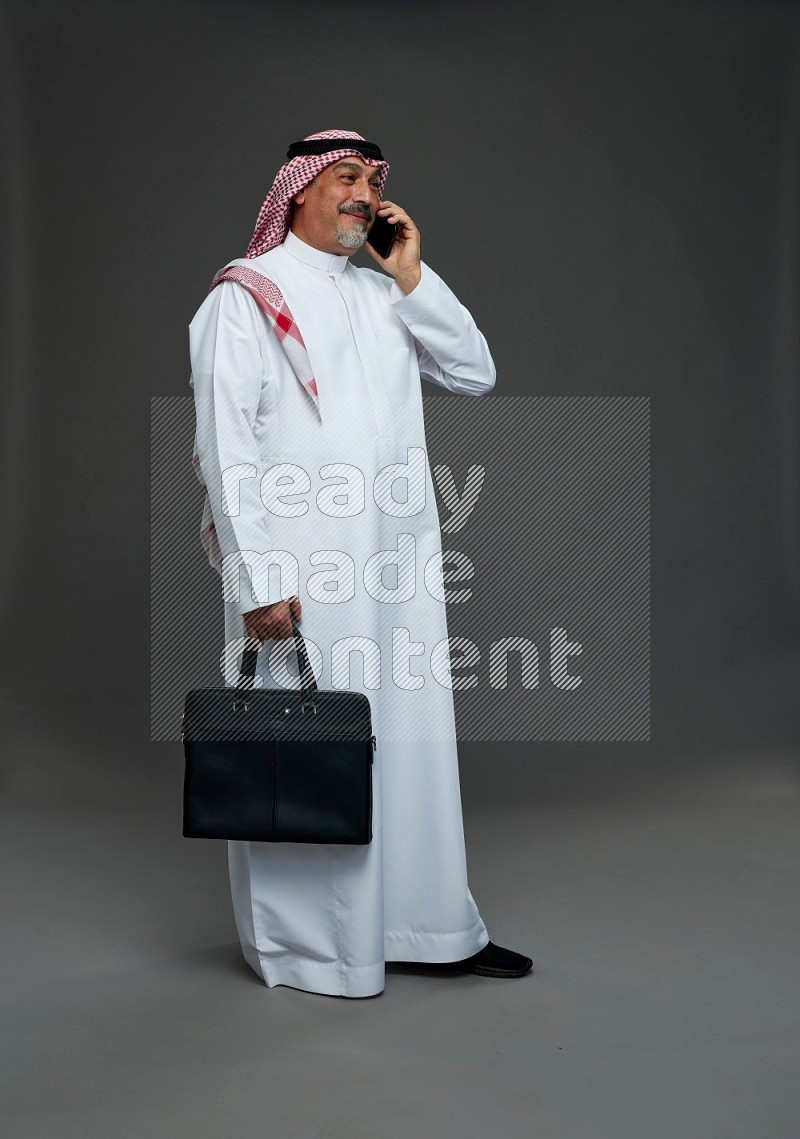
(350, 237)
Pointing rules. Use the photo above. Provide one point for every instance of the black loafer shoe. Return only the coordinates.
(493, 961)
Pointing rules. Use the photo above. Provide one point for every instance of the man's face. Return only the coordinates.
(336, 211)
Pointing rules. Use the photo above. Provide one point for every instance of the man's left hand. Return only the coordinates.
(403, 261)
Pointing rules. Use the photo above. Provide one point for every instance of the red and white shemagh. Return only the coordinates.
(275, 213)
(270, 300)
(271, 229)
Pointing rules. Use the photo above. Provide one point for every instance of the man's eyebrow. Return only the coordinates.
(354, 166)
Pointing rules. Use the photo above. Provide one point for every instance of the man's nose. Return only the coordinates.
(362, 195)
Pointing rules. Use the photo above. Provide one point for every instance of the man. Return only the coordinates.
(309, 420)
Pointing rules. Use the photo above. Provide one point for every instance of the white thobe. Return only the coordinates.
(326, 918)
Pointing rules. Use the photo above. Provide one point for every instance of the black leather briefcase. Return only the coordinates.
(278, 765)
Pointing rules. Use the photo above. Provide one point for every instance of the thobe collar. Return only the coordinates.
(330, 263)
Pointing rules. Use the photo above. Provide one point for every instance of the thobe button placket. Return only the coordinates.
(380, 404)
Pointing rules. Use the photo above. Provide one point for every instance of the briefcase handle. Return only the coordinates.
(308, 684)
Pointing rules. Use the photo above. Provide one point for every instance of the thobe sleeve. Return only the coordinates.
(451, 349)
(227, 378)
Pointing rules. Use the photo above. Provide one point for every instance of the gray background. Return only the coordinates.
(612, 191)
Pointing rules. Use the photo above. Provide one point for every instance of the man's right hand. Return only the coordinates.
(271, 622)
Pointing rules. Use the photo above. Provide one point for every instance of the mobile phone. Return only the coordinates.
(381, 236)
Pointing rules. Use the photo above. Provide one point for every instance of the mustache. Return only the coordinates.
(366, 214)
